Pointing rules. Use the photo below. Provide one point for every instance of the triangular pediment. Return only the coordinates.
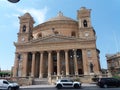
(54, 38)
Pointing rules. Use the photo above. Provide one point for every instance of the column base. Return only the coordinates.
(41, 76)
(67, 74)
(32, 76)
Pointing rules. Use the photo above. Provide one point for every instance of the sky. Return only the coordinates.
(105, 19)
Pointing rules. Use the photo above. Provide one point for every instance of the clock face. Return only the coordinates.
(86, 34)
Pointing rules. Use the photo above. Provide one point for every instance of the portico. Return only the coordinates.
(45, 63)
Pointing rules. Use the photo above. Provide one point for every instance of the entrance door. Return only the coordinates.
(55, 70)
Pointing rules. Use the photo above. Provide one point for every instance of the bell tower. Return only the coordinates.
(84, 23)
(26, 26)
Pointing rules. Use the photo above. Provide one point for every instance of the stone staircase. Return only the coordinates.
(40, 81)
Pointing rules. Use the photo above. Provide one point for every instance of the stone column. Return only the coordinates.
(85, 63)
(41, 65)
(66, 62)
(95, 62)
(58, 63)
(49, 64)
(33, 65)
(25, 59)
(15, 69)
(75, 63)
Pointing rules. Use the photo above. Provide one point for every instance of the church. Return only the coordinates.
(58, 46)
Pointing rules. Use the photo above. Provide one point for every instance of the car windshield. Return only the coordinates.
(70, 80)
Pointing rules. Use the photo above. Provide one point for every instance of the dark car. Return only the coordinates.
(108, 82)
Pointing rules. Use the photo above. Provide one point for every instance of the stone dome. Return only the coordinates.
(60, 16)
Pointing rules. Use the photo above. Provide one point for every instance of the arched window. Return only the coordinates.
(39, 35)
(24, 28)
(73, 34)
(85, 23)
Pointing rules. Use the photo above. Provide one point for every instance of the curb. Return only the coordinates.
(38, 86)
(53, 86)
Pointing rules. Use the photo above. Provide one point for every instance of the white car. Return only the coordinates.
(4, 84)
(67, 83)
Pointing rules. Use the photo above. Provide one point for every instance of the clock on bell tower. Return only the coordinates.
(86, 30)
(26, 26)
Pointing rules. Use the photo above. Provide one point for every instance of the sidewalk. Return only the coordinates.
(52, 86)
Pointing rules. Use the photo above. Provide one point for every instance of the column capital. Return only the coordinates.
(66, 50)
(57, 51)
(33, 52)
(49, 51)
(41, 51)
(24, 52)
(74, 49)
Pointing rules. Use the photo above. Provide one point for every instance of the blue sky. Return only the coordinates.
(105, 18)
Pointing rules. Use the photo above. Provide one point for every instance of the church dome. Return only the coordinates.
(60, 16)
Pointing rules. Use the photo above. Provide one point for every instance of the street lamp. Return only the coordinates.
(13, 1)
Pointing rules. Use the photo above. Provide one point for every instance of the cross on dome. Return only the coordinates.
(60, 13)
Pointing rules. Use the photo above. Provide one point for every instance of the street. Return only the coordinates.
(83, 88)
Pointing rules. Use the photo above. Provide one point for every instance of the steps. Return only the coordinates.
(40, 81)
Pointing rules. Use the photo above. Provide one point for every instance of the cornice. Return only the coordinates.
(52, 39)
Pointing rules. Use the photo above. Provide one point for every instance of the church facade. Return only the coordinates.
(59, 46)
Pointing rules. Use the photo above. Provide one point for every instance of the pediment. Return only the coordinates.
(54, 38)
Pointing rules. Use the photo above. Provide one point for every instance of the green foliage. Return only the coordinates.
(116, 76)
(3, 73)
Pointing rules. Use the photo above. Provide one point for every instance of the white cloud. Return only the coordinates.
(6, 4)
(37, 14)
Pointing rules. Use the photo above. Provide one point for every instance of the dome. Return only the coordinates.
(60, 16)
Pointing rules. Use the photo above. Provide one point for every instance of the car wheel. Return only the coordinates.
(105, 86)
(9, 88)
(17, 88)
(59, 86)
(117, 85)
(76, 86)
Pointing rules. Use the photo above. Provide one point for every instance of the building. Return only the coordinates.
(113, 62)
(59, 46)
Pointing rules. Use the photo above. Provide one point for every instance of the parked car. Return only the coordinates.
(7, 85)
(67, 83)
(107, 82)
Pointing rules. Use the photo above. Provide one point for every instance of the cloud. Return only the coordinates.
(38, 14)
(6, 4)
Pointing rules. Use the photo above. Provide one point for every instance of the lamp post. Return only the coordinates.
(13, 1)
